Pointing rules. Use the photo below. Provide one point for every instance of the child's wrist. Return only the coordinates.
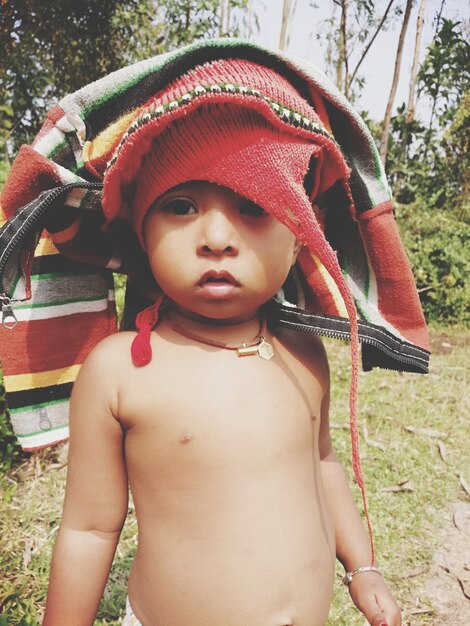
(348, 577)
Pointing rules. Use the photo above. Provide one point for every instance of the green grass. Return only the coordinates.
(407, 523)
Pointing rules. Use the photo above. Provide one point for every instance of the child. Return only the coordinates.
(219, 421)
(259, 209)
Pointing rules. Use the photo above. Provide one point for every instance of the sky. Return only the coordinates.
(377, 68)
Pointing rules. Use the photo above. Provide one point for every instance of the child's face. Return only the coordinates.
(215, 254)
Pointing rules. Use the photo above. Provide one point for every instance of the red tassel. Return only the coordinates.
(141, 349)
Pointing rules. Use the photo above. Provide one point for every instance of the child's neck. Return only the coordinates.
(228, 330)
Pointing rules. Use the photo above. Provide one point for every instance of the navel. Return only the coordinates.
(186, 437)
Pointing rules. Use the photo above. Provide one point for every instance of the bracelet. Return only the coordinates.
(347, 579)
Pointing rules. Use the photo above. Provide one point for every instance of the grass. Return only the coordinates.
(415, 444)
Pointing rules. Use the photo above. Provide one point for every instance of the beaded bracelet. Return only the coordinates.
(347, 579)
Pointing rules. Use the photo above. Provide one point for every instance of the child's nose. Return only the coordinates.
(218, 234)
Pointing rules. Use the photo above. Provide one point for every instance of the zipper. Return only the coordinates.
(419, 361)
(49, 197)
(9, 320)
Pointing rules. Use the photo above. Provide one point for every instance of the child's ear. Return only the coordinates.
(297, 249)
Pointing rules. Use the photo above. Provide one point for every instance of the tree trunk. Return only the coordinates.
(291, 17)
(250, 19)
(393, 90)
(229, 15)
(433, 108)
(222, 18)
(342, 65)
(410, 111)
(285, 20)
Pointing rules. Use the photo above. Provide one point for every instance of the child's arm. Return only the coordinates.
(96, 495)
(368, 589)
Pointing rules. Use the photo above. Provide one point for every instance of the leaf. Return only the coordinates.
(427, 432)
(420, 611)
(465, 485)
(461, 516)
(464, 583)
(442, 449)
(405, 485)
(417, 571)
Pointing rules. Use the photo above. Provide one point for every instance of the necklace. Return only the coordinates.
(258, 345)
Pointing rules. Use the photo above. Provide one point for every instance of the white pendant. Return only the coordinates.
(265, 349)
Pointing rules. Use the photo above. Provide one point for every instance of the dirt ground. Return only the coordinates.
(448, 580)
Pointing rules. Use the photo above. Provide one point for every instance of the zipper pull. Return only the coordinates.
(9, 320)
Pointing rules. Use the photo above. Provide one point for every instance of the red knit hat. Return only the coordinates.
(213, 113)
(246, 127)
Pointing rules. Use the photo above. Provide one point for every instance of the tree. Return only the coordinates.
(445, 77)
(351, 36)
(410, 111)
(369, 44)
(284, 23)
(54, 47)
(393, 89)
(342, 68)
(288, 12)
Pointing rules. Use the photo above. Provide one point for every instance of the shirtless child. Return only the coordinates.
(221, 430)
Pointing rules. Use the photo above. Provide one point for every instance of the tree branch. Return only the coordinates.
(366, 50)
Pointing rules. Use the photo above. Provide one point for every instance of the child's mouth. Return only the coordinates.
(218, 277)
(218, 284)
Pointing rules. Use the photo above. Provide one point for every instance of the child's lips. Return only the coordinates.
(218, 284)
(221, 277)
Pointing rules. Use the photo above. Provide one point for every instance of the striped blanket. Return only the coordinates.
(62, 305)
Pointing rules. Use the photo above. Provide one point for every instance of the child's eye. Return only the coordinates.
(178, 206)
(251, 209)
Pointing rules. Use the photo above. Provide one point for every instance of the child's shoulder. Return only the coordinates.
(103, 375)
(110, 358)
(307, 348)
(113, 345)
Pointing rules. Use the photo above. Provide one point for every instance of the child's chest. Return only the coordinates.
(208, 410)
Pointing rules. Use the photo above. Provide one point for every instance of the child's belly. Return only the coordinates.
(239, 551)
(225, 475)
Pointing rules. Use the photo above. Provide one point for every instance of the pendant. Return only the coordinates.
(247, 350)
(265, 349)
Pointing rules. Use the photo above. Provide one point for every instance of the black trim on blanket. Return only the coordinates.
(22, 231)
(379, 347)
(39, 395)
(53, 263)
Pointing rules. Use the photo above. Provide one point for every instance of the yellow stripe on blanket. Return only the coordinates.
(19, 382)
(335, 292)
(45, 247)
(108, 138)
